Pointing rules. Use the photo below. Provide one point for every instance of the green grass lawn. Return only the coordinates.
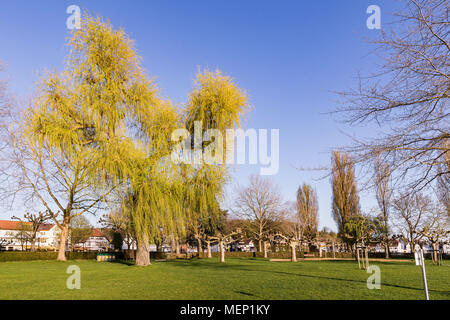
(209, 279)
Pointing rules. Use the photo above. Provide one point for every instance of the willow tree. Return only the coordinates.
(154, 201)
(203, 191)
(215, 105)
(360, 229)
(91, 127)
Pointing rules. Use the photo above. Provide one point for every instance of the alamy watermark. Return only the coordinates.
(231, 149)
(74, 280)
(374, 280)
(74, 20)
(374, 20)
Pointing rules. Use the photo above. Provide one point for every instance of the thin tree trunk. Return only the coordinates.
(293, 254)
(433, 245)
(259, 245)
(33, 245)
(357, 258)
(199, 246)
(63, 240)
(222, 252)
(177, 249)
(265, 249)
(439, 257)
(386, 249)
(334, 252)
(143, 252)
(367, 257)
(209, 249)
(172, 244)
(128, 243)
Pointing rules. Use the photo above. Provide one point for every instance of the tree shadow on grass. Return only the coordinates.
(124, 262)
(248, 294)
(222, 266)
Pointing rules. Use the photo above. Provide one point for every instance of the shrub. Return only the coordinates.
(158, 255)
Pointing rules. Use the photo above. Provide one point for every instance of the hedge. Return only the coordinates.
(27, 256)
(131, 255)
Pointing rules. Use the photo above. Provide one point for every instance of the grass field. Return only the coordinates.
(209, 279)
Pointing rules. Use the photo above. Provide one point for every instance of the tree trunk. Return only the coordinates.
(334, 252)
(199, 246)
(412, 245)
(222, 252)
(172, 244)
(433, 245)
(177, 249)
(293, 253)
(386, 249)
(143, 252)
(357, 258)
(209, 249)
(265, 249)
(260, 245)
(367, 257)
(63, 240)
(33, 245)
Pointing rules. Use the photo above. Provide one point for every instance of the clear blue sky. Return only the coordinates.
(288, 56)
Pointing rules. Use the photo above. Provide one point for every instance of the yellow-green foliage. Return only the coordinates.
(216, 101)
(104, 116)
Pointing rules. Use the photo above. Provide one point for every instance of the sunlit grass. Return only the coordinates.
(209, 279)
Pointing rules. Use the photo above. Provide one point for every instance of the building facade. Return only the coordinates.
(15, 237)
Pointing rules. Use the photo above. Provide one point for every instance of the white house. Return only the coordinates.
(96, 242)
(46, 236)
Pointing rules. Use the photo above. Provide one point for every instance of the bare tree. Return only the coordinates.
(34, 221)
(80, 231)
(5, 112)
(443, 192)
(225, 235)
(60, 182)
(410, 212)
(436, 226)
(330, 238)
(4, 107)
(307, 212)
(23, 234)
(290, 231)
(119, 221)
(408, 98)
(383, 195)
(261, 207)
(345, 196)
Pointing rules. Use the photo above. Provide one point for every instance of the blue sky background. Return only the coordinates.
(288, 55)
